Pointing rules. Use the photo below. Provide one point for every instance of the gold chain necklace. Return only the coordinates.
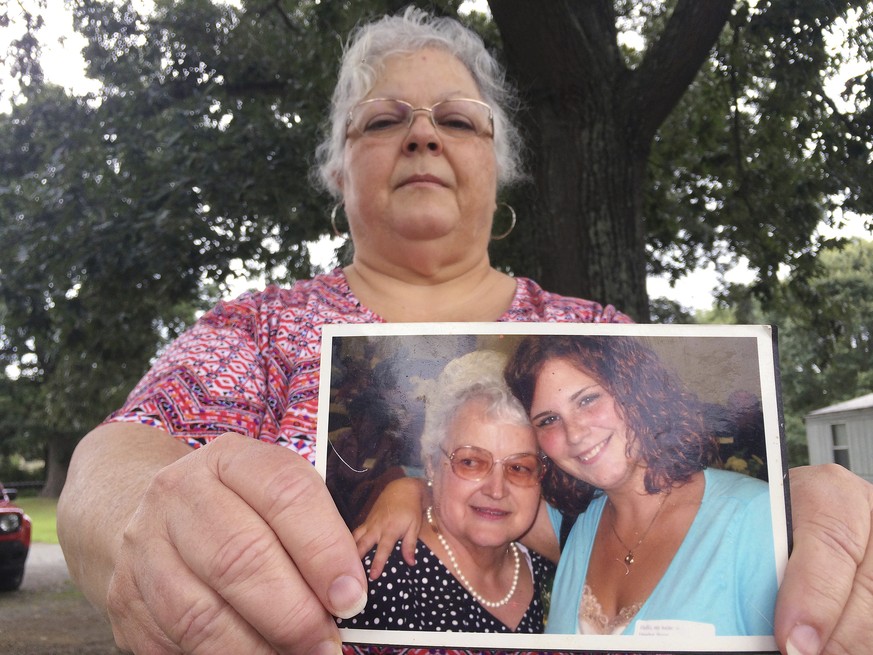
(629, 558)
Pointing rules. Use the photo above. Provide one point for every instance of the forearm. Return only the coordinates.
(541, 537)
(110, 470)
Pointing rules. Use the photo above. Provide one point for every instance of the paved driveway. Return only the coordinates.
(46, 568)
(48, 615)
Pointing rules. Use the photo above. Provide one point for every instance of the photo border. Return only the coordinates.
(766, 344)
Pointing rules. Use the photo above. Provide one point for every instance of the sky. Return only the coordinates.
(63, 64)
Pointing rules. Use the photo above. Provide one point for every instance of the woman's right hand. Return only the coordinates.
(235, 547)
(396, 514)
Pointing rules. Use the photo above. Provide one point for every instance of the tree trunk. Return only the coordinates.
(583, 161)
(57, 461)
(591, 121)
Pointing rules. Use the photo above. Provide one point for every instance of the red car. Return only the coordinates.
(14, 541)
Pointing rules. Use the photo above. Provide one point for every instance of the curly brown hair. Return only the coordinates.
(663, 417)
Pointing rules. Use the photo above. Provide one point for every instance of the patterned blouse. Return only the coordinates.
(251, 365)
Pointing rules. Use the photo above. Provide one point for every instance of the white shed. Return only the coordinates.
(843, 433)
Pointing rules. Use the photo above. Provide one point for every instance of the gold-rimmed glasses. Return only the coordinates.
(474, 463)
(387, 117)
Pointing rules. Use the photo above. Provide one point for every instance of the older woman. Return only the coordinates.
(144, 517)
(482, 465)
(608, 414)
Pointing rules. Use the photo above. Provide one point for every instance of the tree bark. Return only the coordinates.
(57, 460)
(590, 121)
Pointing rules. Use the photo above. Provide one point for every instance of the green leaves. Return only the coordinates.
(824, 322)
(757, 155)
(122, 214)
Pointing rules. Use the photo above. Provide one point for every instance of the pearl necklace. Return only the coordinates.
(463, 578)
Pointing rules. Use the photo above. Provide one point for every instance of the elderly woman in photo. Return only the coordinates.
(484, 472)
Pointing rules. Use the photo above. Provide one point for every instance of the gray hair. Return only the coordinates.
(362, 62)
(476, 376)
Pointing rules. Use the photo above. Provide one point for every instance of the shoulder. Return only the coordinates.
(533, 303)
(542, 567)
(737, 500)
(321, 299)
(729, 484)
(324, 286)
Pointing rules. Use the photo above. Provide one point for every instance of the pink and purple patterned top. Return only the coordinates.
(250, 365)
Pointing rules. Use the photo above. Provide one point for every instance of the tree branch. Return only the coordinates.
(674, 59)
(559, 47)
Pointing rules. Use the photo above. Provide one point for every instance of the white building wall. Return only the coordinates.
(859, 429)
(818, 440)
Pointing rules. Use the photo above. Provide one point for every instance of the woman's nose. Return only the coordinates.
(422, 135)
(574, 433)
(495, 483)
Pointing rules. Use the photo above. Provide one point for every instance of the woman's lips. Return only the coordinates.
(490, 513)
(423, 179)
(587, 456)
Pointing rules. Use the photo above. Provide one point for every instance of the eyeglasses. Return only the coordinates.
(386, 117)
(474, 463)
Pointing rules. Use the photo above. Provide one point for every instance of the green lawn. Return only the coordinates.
(42, 512)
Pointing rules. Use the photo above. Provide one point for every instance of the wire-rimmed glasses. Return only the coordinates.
(474, 463)
(387, 117)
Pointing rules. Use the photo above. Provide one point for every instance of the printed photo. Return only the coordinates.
(594, 488)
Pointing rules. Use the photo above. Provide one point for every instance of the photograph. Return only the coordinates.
(559, 487)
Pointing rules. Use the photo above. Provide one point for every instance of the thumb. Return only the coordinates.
(821, 602)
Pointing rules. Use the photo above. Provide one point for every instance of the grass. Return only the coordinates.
(43, 513)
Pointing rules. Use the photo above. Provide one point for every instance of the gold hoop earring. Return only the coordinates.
(498, 237)
(336, 232)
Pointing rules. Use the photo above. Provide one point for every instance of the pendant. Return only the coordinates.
(629, 558)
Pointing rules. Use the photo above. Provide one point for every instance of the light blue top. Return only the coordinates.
(723, 574)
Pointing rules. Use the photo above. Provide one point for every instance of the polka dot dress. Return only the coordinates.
(428, 597)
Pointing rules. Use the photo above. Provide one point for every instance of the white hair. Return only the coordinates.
(476, 376)
(413, 30)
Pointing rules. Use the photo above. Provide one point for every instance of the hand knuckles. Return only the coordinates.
(289, 495)
(846, 536)
(119, 596)
(174, 479)
(321, 541)
(133, 631)
(197, 626)
(845, 539)
(839, 646)
(242, 556)
(305, 622)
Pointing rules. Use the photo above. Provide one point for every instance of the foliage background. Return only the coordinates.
(123, 212)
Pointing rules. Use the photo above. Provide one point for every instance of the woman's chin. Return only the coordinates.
(496, 543)
(493, 536)
(425, 229)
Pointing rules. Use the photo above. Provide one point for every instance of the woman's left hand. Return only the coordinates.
(396, 514)
(825, 604)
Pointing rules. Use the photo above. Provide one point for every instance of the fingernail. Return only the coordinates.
(803, 640)
(346, 597)
(327, 648)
